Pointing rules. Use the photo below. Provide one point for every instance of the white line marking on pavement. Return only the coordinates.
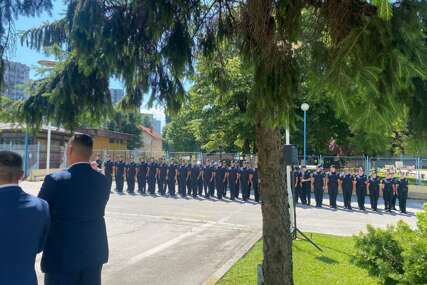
(161, 247)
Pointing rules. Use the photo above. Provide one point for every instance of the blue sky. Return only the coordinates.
(31, 57)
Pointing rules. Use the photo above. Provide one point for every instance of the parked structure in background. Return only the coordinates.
(116, 95)
(12, 136)
(156, 124)
(106, 139)
(15, 76)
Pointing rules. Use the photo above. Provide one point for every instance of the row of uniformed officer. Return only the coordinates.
(192, 179)
(362, 185)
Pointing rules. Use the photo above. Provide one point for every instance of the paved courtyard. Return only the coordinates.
(158, 240)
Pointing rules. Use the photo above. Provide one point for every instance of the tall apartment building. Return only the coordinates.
(15, 76)
(116, 95)
(157, 124)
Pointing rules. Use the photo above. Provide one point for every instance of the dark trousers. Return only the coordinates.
(245, 190)
(109, 181)
(361, 194)
(131, 184)
(347, 193)
(219, 190)
(195, 188)
(373, 197)
(318, 195)
(90, 276)
(142, 184)
(256, 191)
(171, 186)
(206, 188)
(298, 195)
(189, 187)
(200, 185)
(403, 196)
(237, 190)
(393, 201)
(119, 183)
(232, 186)
(333, 192)
(211, 187)
(161, 184)
(388, 196)
(181, 187)
(306, 192)
(151, 185)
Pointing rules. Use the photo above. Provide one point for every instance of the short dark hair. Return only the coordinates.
(83, 143)
(10, 165)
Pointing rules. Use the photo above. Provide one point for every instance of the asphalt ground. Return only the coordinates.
(185, 241)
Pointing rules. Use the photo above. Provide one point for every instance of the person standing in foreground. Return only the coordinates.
(347, 186)
(24, 224)
(77, 245)
(306, 184)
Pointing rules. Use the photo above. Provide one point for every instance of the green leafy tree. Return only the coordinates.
(127, 122)
(362, 53)
(10, 11)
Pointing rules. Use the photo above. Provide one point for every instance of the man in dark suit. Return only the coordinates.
(77, 245)
(24, 222)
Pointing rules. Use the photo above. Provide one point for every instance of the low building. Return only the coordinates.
(152, 142)
(12, 137)
(106, 139)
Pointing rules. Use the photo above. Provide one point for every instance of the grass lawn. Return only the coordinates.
(311, 266)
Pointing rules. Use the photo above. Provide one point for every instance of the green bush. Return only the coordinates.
(397, 254)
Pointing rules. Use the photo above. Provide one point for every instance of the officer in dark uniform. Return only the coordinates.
(347, 186)
(194, 178)
(142, 175)
(200, 179)
(237, 187)
(108, 171)
(119, 168)
(98, 162)
(298, 186)
(189, 185)
(161, 180)
(244, 181)
(306, 181)
(182, 179)
(374, 190)
(207, 177)
(172, 177)
(232, 177)
(387, 185)
(220, 180)
(152, 173)
(394, 197)
(130, 175)
(319, 178)
(361, 182)
(255, 183)
(402, 192)
(333, 178)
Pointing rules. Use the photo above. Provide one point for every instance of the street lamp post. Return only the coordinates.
(305, 107)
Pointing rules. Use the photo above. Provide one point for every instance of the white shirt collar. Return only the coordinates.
(8, 185)
(77, 163)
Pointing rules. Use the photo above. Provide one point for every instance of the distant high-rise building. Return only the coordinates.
(15, 74)
(116, 95)
(156, 124)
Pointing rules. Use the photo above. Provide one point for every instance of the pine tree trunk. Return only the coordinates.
(277, 265)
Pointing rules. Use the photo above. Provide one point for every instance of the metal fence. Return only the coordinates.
(414, 167)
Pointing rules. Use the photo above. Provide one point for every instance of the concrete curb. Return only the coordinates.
(215, 277)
